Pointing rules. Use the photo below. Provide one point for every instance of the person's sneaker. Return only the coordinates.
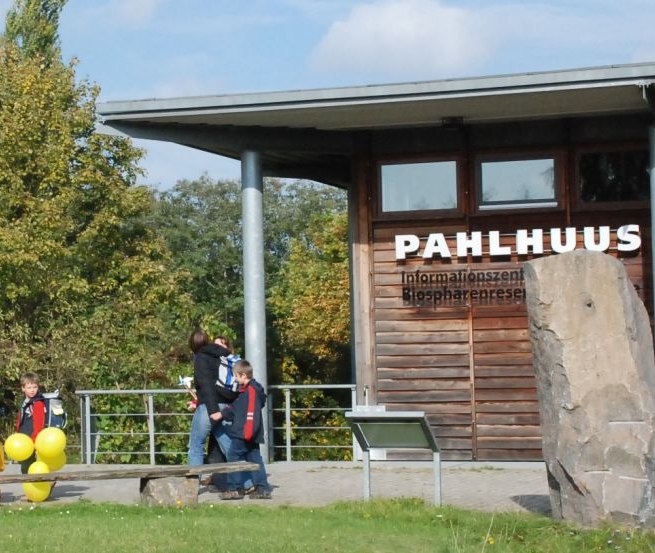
(260, 493)
(249, 490)
(233, 494)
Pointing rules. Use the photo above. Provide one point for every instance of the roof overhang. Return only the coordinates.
(311, 133)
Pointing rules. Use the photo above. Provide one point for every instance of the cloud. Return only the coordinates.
(430, 39)
(133, 11)
(404, 37)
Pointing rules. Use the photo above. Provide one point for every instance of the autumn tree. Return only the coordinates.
(311, 303)
(201, 222)
(305, 234)
(87, 295)
(34, 28)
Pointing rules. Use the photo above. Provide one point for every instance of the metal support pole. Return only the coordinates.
(436, 459)
(87, 427)
(651, 143)
(151, 427)
(253, 272)
(287, 422)
(366, 457)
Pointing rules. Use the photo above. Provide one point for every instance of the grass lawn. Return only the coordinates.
(379, 526)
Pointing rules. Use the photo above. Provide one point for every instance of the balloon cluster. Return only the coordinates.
(50, 444)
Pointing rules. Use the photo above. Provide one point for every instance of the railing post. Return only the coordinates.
(287, 422)
(87, 427)
(82, 431)
(353, 403)
(271, 427)
(151, 427)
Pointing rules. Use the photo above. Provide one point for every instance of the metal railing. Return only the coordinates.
(151, 428)
(289, 430)
(144, 423)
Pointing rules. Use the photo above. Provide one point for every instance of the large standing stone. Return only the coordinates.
(593, 358)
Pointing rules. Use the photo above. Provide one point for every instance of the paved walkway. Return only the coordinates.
(482, 486)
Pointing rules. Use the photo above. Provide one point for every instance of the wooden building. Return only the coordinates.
(453, 185)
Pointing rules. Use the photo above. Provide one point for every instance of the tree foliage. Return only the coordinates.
(201, 222)
(101, 280)
(88, 297)
(306, 260)
(33, 26)
(310, 301)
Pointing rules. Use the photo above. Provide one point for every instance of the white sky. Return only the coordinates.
(164, 48)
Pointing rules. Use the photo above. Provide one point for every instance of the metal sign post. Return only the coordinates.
(375, 429)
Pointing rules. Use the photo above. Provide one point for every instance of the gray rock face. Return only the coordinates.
(595, 369)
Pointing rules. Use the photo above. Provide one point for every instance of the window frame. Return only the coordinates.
(459, 210)
(576, 197)
(559, 169)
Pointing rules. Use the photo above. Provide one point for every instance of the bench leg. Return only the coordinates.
(172, 491)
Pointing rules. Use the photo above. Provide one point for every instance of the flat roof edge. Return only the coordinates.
(611, 75)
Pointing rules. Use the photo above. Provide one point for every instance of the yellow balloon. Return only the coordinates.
(55, 463)
(50, 442)
(37, 491)
(38, 467)
(19, 447)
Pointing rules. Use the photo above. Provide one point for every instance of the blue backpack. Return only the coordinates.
(55, 413)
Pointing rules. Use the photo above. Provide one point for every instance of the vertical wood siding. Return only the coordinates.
(468, 366)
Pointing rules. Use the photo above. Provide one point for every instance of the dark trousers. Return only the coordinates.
(215, 455)
(240, 450)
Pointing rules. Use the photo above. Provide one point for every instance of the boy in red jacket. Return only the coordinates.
(31, 417)
(246, 432)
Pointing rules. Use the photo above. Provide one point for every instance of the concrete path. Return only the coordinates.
(481, 486)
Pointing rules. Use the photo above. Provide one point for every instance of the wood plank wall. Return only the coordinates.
(467, 365)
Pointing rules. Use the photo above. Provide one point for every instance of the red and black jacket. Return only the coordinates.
(246, 414)
(31, 417)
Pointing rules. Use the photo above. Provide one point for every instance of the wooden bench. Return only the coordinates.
(159, 485)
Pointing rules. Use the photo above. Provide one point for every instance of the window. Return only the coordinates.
(419, 186)
(614, 176)
(517, 183)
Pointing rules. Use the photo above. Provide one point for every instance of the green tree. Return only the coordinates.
(87, 295)
(201, 222)
(311, 305)
(34, 27)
